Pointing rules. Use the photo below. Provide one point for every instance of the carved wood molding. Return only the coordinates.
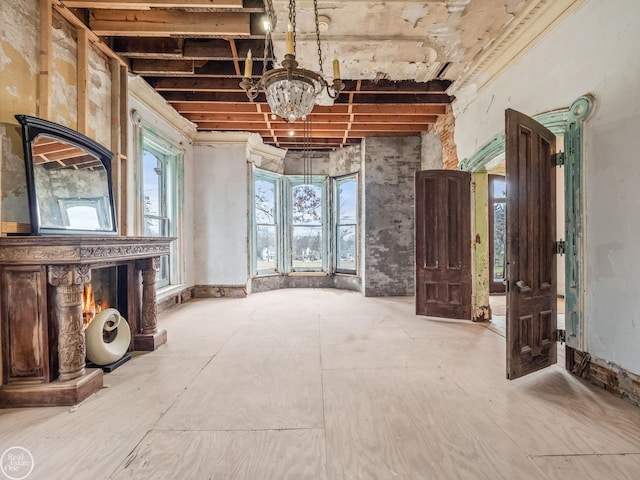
(539, 17)
(66, 275)
(74, 250)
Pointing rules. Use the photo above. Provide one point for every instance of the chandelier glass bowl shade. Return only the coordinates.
(292, 96)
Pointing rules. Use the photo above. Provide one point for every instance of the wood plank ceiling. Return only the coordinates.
(192, 52)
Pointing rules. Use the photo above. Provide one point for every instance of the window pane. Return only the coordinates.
(306, 247)
(162, 274)
(346, 245)
(347, 201)
(266, 247)
(155, 227)
(265, 198)
(499, 240)
(307, 205)
(499, 188)
(152, 180)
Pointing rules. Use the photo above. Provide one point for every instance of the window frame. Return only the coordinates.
(284, 224)
(292, 181)
(276, 179)
(336, 181)
(171, 159)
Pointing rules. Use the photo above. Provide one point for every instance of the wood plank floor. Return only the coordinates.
(326, 384)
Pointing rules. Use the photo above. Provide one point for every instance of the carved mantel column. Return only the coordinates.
(69, 281)
(148, 337)
(149, 312)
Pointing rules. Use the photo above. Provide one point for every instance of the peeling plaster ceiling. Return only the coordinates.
(402, 61)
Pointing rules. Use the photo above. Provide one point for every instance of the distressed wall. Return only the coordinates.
(99, 117)
(222, 204)
(19, 48)
(445, 127)
(389, 259)
(64, 75)
(430, 151)
(607, 66)
(18, 89)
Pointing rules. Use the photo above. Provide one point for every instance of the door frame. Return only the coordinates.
(569, 123)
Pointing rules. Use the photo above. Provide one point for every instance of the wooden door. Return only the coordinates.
(443, 243)
(531, 261)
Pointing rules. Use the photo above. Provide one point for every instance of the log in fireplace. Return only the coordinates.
(42, 279)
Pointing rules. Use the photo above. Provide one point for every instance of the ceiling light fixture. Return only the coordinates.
(291, 91)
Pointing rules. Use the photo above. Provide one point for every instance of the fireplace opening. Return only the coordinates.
(104, 304)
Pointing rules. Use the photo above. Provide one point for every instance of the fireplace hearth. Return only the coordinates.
(42, 281)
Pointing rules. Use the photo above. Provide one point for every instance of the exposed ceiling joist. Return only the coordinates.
(149, 4)
(360, 109)
(161, 23)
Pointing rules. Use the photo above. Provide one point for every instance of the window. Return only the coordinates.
(159, 188)
(266, 241)
(307, 217)
(293, 223)
(346, 218)
(497, 232)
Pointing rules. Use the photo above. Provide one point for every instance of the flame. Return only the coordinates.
(89, 305)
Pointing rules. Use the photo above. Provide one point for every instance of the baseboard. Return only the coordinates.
(219, 291)
(604, 374)
(175, 298)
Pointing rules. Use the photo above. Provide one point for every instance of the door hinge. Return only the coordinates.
(560, 247)
(561, 336)
(559, 157)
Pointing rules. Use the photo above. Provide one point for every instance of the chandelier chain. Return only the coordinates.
(292, 21)
(267, 38)
(315, 11)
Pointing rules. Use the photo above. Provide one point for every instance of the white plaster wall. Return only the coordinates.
(594, 50)
(186, 210)
(221, 202)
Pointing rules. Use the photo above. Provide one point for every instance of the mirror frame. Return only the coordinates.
(32, 127)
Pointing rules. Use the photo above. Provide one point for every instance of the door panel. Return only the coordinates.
(443, 243)
(531, 260)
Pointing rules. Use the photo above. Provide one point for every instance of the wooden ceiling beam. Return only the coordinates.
(156, 67)
(149, 4)
(162, 23)
(185, 48)
(316, 118)
(403, 86)
(400, 97)
(395, 119)
(319, 110)
(401, 100)
(207, 84)
(230, 107)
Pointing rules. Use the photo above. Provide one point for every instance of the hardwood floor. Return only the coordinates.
(326, 384)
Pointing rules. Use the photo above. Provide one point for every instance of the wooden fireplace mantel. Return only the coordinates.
(41, 283)
(80, 249)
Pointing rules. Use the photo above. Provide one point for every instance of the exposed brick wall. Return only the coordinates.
(445, 126)
(389, 258)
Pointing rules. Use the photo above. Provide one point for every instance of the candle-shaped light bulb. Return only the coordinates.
(290, 50)
(248, 65)
(336, 68)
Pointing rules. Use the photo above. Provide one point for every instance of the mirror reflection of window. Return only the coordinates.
(83, 217)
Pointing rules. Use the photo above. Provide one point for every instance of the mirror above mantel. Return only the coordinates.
(68, 180)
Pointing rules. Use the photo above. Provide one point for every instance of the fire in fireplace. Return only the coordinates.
(107, 332)
(100, 294)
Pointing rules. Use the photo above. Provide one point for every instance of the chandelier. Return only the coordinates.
(291, 91)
